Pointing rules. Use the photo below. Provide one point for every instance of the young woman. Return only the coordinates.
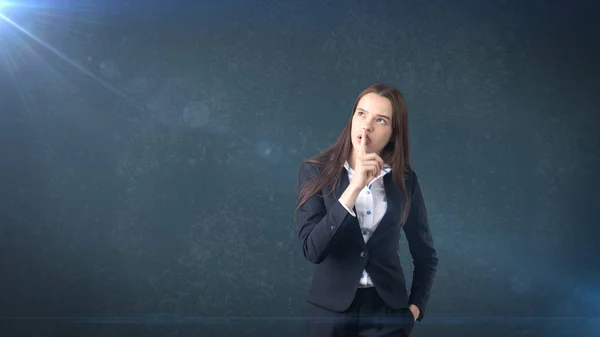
(353, 201)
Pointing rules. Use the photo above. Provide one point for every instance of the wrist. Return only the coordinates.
(355, 187)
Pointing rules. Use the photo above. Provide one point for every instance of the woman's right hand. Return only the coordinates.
(367, 165)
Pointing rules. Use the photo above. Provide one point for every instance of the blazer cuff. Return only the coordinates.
(346, 207)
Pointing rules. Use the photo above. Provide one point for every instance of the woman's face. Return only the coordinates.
(374, 114)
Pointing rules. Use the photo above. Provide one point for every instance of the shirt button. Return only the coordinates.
(332, 228)
(368, 192)
(368, 212)
(363, 254)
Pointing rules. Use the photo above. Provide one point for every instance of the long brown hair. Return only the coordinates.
(396, 153)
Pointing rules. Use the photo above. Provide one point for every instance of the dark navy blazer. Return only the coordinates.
(331, 239)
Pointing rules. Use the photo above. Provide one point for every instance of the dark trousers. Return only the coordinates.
(368, 316)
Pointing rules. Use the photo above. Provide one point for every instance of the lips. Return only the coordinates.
(360, 139)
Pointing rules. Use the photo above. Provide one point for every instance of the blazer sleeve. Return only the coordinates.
(421, 249)
(317, 226)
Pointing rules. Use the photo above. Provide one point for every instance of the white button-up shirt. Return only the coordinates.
(370, 205)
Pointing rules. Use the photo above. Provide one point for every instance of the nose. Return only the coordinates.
(369, 122)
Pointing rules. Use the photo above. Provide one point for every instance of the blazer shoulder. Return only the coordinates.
(410, 175)
(309, 167)
(307, 171)
(411, 180)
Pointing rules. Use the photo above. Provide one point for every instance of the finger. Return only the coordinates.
(371, 170)
(379, 164)
(373, 166)
(373, 156)
(372, 161)
(375, 160)
(379, 159)
(363, 141)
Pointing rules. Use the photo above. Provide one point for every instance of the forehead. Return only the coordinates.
(375, 104)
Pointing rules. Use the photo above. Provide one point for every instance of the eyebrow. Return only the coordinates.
(384, 116)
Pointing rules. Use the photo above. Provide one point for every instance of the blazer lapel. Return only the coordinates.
(392, 216)
(339, 190)
(343, 185)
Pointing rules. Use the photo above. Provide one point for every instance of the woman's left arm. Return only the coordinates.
(421, 248)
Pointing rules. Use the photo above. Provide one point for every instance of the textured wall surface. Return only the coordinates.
(148, 157)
